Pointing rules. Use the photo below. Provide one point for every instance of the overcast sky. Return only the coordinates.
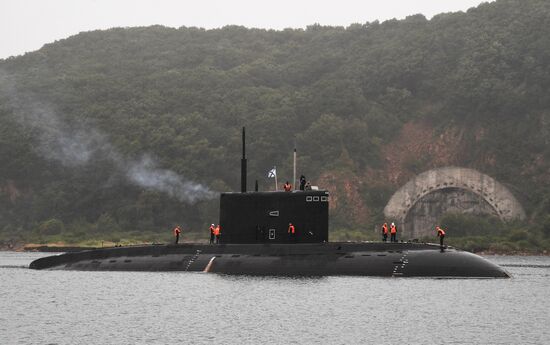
(26, 25)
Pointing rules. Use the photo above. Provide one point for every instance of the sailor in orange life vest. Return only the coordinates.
(287, 187)
(217, 233)
(291, 231)
(212, 234)
(440, 234)
(177, 232)
(393, 233)
(385, 232)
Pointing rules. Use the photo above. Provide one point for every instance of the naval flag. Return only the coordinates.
(273, 174)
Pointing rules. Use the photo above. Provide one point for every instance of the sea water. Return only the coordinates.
(72, 307)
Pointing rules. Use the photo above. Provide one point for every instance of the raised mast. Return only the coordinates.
(243, 166)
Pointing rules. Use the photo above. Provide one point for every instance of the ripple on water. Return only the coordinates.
(59, 307)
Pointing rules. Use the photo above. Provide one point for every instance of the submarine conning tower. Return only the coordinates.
(264, 217)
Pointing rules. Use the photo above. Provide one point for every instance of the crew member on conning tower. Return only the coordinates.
(287, 187)
(302, 182)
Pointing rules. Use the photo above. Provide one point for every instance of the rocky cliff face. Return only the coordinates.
(345, 197)
(11, 190)
(416, 148)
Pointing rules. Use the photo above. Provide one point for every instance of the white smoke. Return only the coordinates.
(72, 145)
(145, 173)
(77, 144)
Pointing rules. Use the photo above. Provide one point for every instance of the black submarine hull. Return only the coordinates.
(315, 259)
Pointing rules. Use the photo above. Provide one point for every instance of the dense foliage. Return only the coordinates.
(341, 94)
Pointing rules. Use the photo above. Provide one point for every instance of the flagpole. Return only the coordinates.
(294, 175)
(275, 168)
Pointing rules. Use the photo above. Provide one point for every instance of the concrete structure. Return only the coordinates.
(417, 206)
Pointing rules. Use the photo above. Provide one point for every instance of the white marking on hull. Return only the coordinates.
(403, 262)
(209, 265)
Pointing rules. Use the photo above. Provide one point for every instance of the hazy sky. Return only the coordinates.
(26, 25)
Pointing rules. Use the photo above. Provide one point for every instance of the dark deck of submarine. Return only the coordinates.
(314, 259)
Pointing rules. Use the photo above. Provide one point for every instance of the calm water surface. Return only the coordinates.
(57, 307)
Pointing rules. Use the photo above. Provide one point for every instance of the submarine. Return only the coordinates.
(255, 241)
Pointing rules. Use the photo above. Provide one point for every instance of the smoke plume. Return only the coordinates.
(76, 144)
(145, 173)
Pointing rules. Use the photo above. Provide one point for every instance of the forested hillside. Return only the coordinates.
(132, 130)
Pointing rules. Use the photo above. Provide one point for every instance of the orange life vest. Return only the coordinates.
(217, 231)
(212, 229)
(385, 229)
(393, 229)
(291, 229)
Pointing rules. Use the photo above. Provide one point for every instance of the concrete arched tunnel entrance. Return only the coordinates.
(417, 205)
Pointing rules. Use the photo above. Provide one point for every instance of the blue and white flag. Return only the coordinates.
(272, 173)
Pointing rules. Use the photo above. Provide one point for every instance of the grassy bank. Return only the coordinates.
(505, 239)
(18, 242)
(509, 242)
(475, 244)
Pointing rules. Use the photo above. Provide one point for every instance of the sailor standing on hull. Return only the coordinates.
(441, 235)
(385, 232)
(393, 233)
(217, 233)
(177, 232)
(212, 233)
(291, 232)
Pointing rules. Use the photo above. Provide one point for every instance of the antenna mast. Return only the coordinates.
(294, 175)
(243, 166)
